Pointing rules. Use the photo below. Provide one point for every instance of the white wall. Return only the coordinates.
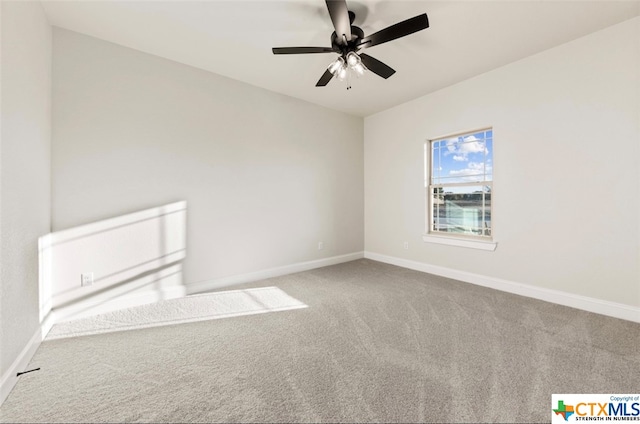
(566, 177)
(133, 258)
(24, 175)
(266, 176)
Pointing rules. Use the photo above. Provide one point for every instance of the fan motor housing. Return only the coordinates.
(356, 35)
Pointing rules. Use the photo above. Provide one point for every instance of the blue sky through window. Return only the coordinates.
(463, 159)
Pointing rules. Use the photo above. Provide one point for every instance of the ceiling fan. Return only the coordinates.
(347, 40)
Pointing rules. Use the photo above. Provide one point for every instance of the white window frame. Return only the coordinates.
(454, 239)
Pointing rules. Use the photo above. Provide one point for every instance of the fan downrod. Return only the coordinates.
(337, 44)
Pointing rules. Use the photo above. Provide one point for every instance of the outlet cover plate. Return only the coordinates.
(86, 279)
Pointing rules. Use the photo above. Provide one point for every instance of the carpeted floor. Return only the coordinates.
(376, 343)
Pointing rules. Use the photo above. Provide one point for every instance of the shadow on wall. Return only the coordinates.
(121, 262)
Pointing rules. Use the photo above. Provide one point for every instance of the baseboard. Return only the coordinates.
(217, 283)
(9, 379)
(88, 309)
(589, 304)
(47, 323)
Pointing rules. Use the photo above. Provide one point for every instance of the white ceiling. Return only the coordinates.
(234, 39)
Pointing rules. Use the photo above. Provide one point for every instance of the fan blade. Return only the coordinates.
(301, 50)
(398, 30)
(340, 18)
(324, 79)
(377, 67)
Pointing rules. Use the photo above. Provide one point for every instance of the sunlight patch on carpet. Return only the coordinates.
(201, 307)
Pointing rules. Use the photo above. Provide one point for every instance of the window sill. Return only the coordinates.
(473, 244)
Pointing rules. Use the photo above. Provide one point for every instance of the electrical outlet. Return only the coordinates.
(86, 279)
(320, 245)
(406, 245)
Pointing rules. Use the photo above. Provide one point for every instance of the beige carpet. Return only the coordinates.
(376, 343)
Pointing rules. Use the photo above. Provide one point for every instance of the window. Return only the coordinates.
(459, 186)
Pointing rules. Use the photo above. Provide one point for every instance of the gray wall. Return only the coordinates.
(24, 170)
(266, 176)
(566, 177)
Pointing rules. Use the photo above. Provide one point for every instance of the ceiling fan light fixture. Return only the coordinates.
(353, 59)
(335, 66)
(359, 69)
(343, 72)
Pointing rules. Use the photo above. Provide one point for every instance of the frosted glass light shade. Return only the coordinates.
(335, 66)
(342, 73)
(353, 59)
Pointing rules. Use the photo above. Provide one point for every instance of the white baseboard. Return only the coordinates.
(589, 304)
(9, 379)
(217, 283)
(97, 307)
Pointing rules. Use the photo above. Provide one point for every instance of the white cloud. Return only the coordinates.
(471, 172)
(472, 168)
(451, 145)
(462, 148)
(472, 145)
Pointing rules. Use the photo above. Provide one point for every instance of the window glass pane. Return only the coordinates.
(462, 210)
(462, 159)
(461, 175)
